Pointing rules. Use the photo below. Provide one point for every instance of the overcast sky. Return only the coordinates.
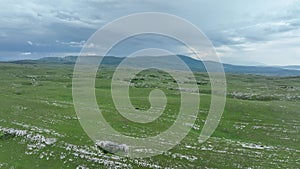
(243, 32)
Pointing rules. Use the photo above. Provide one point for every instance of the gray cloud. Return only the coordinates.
(238, 29)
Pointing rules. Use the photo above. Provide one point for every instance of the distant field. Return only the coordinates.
(260, 127)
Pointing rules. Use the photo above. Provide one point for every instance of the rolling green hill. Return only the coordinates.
(39, 127)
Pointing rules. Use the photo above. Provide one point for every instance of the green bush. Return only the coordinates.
(4, 135)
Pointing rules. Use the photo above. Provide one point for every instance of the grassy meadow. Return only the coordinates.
(260, 126)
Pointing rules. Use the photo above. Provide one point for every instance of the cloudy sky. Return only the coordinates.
(252, 32)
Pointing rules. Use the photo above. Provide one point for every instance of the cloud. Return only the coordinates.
(30, 43)
(238, 29)
(269, 38)
(71, 21)
(26, 53)
(72, 43)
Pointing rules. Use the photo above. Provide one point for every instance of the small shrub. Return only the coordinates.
(1, 134)
(4, 136)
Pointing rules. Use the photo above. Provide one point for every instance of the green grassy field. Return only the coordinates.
(260, 127)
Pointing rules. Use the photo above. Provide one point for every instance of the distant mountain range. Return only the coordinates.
(194, 65)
